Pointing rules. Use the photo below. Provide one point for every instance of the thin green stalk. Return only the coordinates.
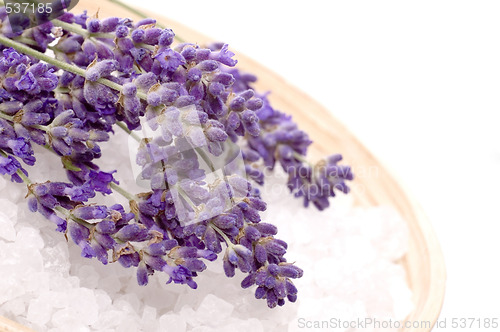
(122, 191)
(6, 117)
(23, 177)
(221, 233)
(205, 158)
(123, 126)
(75, 28)
(19, 172)
(11, 119)
(301, 158)
(187, 199)
(26, 41)
(76, 219)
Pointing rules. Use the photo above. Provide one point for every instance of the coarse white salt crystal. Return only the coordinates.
(59, 282)
(71, 326)
(103, 300)
(3, 183)
(188, 314)
(128, 302)
(172, 322)
(129, 324)
(57, 300)
(55, 257)
(327, 274)
(214, 310)
(109, 319)
(203, 329)
(83, 304)
(36, 281)
(7, 230)
(65, 316)
(109, 283)
(149, 321)
(29, 238)
(189, 298)
(10, 287)
(15, 307)
(252, 324)
(39, 312)
(88, 276)
(302, 231)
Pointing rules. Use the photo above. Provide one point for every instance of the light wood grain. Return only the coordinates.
(7, 325)
(375, 186)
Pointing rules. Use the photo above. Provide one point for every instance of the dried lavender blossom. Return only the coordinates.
(188, 108)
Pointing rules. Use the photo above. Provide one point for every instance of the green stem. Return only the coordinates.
(23, 177)
(11, 119)
(7, 117)
(19, 172)
(122, 191)
(67, 163)
(25, 40)
(187, 199)
(205, 158)
(76, 219)
(221, 233)
(301, 158)
(123, 126)
(75, 28)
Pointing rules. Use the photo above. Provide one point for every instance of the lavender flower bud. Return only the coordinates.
(10, 107)
(80, 235)
(224, 56)
(151, 36)
(9, 165)
(98, 69)
(166, 38)
(132, 232)
(121, 32)
(90, 212)
(109, 24)
(138, 36)
(94, 26)
(170, 60)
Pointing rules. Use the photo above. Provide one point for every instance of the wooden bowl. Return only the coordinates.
(424, 263)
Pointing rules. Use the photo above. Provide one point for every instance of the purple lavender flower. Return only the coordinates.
(9, 165)
(318, 184)
(100, 181)
(21, 148)
(274, 284)
(169, 60)
(193, 102)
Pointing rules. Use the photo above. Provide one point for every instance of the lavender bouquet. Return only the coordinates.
(202, 139)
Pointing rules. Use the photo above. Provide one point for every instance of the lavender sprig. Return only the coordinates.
(193, 102)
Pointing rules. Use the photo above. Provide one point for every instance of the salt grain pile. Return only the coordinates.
(347, 255)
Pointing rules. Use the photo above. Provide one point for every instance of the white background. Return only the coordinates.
(418, 82)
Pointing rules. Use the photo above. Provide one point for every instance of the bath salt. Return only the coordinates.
(349, 256)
